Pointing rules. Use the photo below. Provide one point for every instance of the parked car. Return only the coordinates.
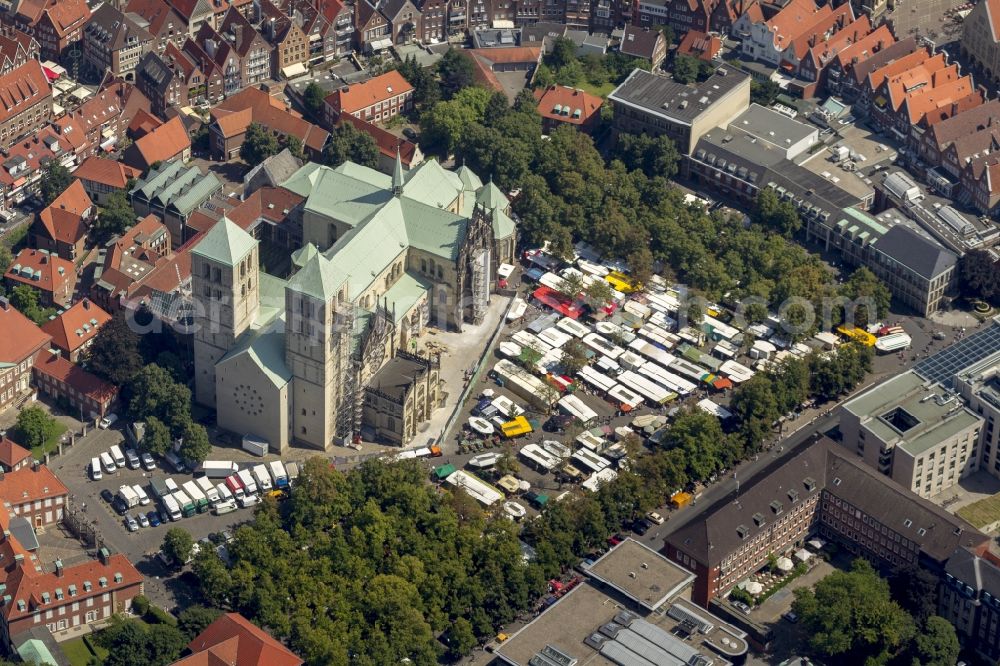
(641, 526)
(654, 518)
(131, 524)
(143, 520)
(107, 496)
(791, 617)
(409, 134)
(154, 519)
(108, 421)
(615, 539)
(148, 463)
(119, 506)
(739, 605)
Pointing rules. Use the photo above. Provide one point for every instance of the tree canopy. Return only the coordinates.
(258, 144)
(178, 545)
(55, 179)
(979, 276)
(114, 353)
(35, 426)
(114, 218)
(25, 298)
(348, 144)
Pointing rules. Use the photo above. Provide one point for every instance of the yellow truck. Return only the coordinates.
(857, 335)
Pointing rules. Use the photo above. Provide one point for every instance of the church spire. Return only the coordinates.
(397, 176)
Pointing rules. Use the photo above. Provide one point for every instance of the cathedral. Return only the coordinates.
(316, 359)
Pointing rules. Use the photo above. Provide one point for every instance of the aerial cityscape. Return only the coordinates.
(499, 332)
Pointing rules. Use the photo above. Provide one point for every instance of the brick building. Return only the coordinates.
(25, 102)
(52, 277)
(114, 42)
(375, 101)
(101, 177)
(17, 355)
(88, 395)
(75, 329)
(62, 226)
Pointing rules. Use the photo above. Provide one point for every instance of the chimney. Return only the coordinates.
(59, 568)
(34, 465)
(86, 304)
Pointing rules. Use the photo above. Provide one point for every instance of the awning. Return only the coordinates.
(294, 70)
(50, 75)
(380, 44)
(503, 25)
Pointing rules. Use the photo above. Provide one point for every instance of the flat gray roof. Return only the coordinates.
(911, 412)
(772, 127)
(641, 574)
(663, 96)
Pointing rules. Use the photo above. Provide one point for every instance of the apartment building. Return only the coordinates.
(645, 43)
(821, 490)
(289, 43)
(56, 24)
(932, 145)
(52, 277)
(17, 355)
(841, 67)
(25, 102)
(969, 598)
(114, 42)
(979, 386)
(772, 40)
(63, 226)
(88, 396)
(647, 103)
(914, 432)
(162, 21)
(74, 330)
(375, 101)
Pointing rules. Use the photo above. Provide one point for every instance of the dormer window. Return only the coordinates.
(742, 531)
(793, 496)
(776, 507)
(758, 519)
(810, 484)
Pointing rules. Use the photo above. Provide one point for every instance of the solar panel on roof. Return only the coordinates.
(943, 366)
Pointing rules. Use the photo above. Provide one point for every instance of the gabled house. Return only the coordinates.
(17, 355)
(645, 43)
(232, 118)
(700, 45)
(203, 69)
(16, 48)
(981, 38)
(932, 146)
(113, 42)
(56, 24)
(855, 82)
(25, 102)
(52, 277)
(161, 83)
(840, 69)
(13, 456)
(167, 142)
(404, 19)
(235, 641)
(433, 21)
(129, 259)
(163, 22)
(773, 40)
(100, 122)
(62, 226)
(812, 56)
(373, 31)
(75, 329)
(101, 177)
(195, 13)
(289, 44)
(376, 100)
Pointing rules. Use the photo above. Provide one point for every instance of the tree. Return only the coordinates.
(529, 357)
(870, 297)
(348, 144)
(574, 357)
(114, 353)
(35, 426)
(978, 276)
(915, 589)
(55, 179)
(937, 644)
(686, 69)
(259, 144)
(850, 617)
(6, 258)
(115, 217)
(25, 298)
(699, 435)
(764, 92)
(461, 638)
(178, 545)
(194, 619)
(563, 53)
(194, 445)
(654, 156)
(156, 438)
(754, 403)
(292, 144)
(155, 393)
(133, 643)
(443, 126)
(599, 293)
(313, 100)
(772, 212)
(456, 72)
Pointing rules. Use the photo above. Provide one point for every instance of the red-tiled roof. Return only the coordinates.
(880, 38)
(570, 99)
(22, 88)
(362, 95)
(267, 203)
(106, 172)
(142, 124)
(698, 44)
(53, 271)
(163, 143)
(68, 15)
(993, 14)
(793, 20)
(59, 368)
(65, 218)
(76, 326)
(31, 483)
(269, 112)
(387, 142)
(22, 338)
(237, 642)
(12, 453)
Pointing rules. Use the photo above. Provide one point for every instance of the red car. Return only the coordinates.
(615, 539)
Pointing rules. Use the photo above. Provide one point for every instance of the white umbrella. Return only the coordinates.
(753, 587)
(802, 554)
(487, 393)
(785, 564)
(815, 543)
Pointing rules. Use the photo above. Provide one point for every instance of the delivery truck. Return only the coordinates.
(128, 496)
(278, 474)
(235, 486)
(255, 445)
(247, 480)
(171, 506)
(208, 488)
(219, 469)
(262, 477)
(159, 488)
(192, 490)
(141, 494)
(292, 470)
(186, 504)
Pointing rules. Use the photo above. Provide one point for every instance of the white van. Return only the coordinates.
(119, 457)
(224, 507)
(224, 493)
(108, 463)
(132, 459)
(143, 497)
(95, 469)
(171, 485)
